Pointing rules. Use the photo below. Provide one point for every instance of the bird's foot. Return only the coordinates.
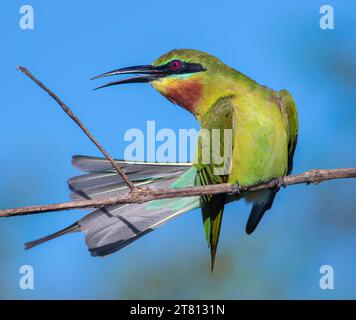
(236, 189)
(281, 183)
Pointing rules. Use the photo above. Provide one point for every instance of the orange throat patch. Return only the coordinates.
(185, 93)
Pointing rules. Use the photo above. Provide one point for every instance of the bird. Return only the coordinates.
(263, 127)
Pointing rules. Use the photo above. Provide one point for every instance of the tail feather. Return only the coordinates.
(215, 226)
(212, 209)
(72, 228)
(111, 228)
(102, 181)
(99, 165)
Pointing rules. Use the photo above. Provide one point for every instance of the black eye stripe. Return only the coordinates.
(186, 67)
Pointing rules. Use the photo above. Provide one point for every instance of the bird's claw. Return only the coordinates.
(236, 189)
(281, 183)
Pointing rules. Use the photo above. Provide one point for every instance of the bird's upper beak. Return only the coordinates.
(143, 74)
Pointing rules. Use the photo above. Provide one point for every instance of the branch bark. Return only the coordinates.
(144, 195)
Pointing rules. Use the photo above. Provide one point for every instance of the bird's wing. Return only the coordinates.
(292, 125)
(215, 121)
(265, 197)
(111, 228)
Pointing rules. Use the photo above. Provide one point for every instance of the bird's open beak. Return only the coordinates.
(144, 74)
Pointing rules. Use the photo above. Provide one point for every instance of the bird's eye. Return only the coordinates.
(176, 65)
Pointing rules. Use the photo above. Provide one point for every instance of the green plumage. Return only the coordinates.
(263, 128)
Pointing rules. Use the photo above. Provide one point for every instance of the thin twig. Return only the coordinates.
(140, 196)
(69, 112)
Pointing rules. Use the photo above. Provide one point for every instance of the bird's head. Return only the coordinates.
(190, 78)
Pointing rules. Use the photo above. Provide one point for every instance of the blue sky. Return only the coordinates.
(278, 44)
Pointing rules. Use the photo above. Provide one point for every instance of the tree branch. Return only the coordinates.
(69, 112)
(144, 195)
(140, 195)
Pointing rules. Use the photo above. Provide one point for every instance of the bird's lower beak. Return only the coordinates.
(144, 74)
